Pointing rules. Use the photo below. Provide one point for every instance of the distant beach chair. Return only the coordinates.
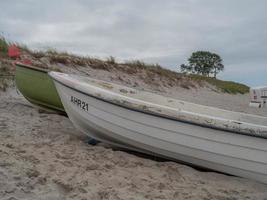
(258, 97)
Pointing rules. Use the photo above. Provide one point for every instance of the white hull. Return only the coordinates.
(224, 151)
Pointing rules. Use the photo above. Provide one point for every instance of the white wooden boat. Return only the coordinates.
(230, 142)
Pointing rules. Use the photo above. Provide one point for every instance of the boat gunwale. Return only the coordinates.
(32, 67)
(155, 114)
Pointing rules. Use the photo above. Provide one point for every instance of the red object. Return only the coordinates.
(26, 61)
(13, 51)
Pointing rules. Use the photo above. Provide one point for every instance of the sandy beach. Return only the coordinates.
(209, 53)
(42, 156)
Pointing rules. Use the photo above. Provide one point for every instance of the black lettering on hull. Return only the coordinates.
(79, 103)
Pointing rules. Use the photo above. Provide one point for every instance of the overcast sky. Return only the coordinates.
(156, 31)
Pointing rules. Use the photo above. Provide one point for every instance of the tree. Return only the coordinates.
(204, 63)
(185, 68)
(217, 65)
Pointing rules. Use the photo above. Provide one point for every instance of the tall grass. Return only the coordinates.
(225, 86)
(5, 75)
(111, 60)
(3, 45)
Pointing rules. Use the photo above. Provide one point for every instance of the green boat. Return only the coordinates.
(37, 87)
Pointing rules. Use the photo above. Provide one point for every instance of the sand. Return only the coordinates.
(43, 157)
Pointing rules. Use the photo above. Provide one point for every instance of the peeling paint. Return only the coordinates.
(123, 91)
(105, 85)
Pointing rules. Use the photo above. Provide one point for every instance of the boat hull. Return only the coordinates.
(37, 87)
(219, 150)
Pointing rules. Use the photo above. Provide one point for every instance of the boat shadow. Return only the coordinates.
(154, 157)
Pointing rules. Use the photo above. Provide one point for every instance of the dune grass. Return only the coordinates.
(5, 76)
(3, 84)
(225, 86)
(3, 46)
(130, 67)
(151, 70)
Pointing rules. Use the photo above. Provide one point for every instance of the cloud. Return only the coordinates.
(166, 32)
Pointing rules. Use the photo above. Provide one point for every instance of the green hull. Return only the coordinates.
(37, 87)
